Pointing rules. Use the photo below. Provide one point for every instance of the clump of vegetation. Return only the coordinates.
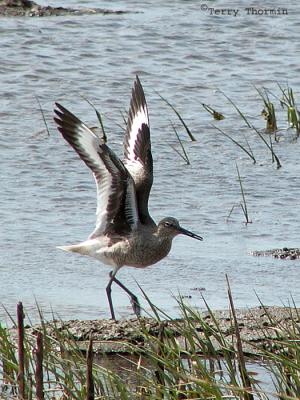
(190, 358)
(288, 101)
(268, 111)
(253, 128)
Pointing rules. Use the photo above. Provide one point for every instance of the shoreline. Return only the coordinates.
(258, 328)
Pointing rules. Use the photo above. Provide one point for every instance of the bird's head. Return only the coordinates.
(170, 227)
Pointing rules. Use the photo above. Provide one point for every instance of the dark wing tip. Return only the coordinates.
(62, 112)
(58, 105)
(137, 102)
(137, 81)
(59, 115)
(58, 122)
(138, 91)
(67, 123)
(65, 117)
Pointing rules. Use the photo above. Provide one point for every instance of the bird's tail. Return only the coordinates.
(74, 248)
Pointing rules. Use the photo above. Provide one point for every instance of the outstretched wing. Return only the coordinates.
(137, 150)
(116, 198)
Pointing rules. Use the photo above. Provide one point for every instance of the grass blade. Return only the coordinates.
(185, 156)
(256, 130)
(216, 115)
(250, 154)
(237, 109)
(21, 352)
(269, 110)
(180, 118)
(274, 156)
(243, 204)
(43, 115)
(104, 137)
(240, 354)
(90, 388)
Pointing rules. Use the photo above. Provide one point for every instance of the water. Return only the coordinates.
(48, 196)
(124, 364)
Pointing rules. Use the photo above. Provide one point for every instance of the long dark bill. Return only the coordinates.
(190, 234)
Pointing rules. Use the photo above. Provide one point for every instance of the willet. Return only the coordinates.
(125, 234)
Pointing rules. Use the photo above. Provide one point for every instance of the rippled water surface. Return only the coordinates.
(184, 53)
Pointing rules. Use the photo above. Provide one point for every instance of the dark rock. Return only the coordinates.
(284, 253)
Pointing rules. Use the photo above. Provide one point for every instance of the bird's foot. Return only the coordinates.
(135, 306)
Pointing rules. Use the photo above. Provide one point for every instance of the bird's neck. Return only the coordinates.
(164, 239)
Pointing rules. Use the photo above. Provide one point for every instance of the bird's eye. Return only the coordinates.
(167, 224)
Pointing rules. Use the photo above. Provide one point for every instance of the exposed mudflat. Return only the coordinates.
(25, 8)
(288, 253)
(258, 327)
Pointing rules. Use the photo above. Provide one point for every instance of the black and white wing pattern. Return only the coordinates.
(116, 198)
(137, 150)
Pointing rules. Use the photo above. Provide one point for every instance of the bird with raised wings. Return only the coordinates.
(125, 234)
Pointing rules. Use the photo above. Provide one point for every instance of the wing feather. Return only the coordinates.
(137, 150)
(116, 198)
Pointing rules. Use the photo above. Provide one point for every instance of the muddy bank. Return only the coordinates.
(26, 8)
(258, 327)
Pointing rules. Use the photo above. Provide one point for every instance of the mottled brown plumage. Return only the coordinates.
(125, 233)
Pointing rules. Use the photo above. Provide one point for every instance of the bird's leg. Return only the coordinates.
(108, 293)
(133, 299)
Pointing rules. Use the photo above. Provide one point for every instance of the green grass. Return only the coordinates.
(190, 358)
(248, 151)
(288, 101)
(43, 115)
(256, 131)
(183, 155)
(188, 131)
(100, 120)
(243, 203)
(241, 114)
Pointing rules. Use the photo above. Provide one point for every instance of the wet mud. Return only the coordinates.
(258, 327)
(26, 8)
(291, 253)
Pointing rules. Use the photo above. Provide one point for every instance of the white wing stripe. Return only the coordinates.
(139, 118)
(103, 192)
(90, 145)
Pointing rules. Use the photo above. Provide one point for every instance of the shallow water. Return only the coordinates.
(48, 195)
(128, 368)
